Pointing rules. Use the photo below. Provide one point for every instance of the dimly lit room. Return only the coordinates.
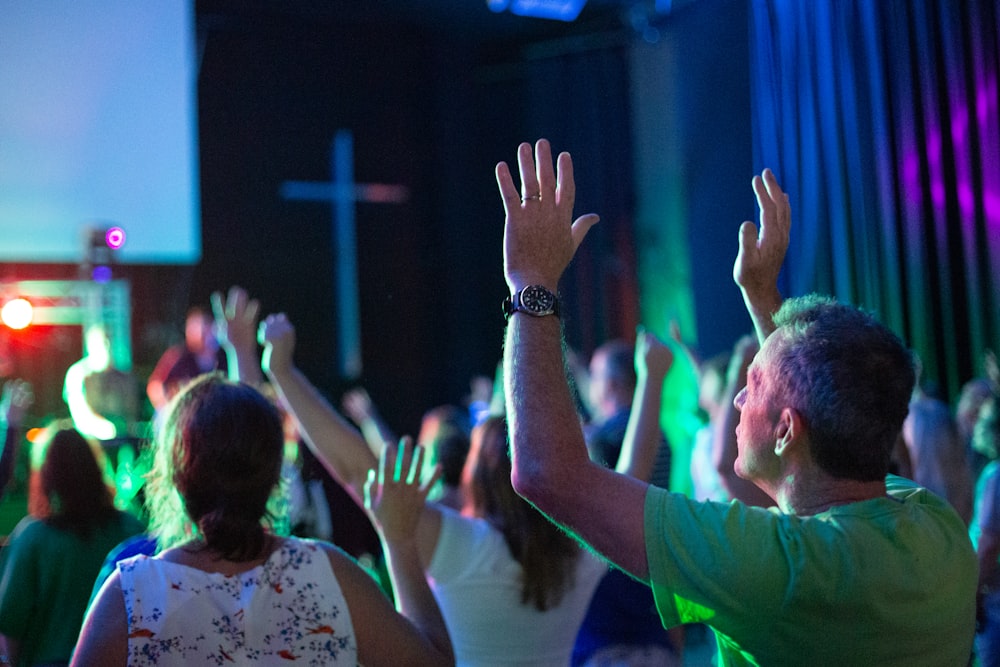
(315, 184)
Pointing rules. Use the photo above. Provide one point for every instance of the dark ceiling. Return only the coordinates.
(471, 18)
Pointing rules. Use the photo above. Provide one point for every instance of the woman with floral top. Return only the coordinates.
(227, 588)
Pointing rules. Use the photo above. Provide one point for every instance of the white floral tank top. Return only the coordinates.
(289, 609)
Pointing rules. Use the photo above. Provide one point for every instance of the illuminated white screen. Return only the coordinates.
(98, 128)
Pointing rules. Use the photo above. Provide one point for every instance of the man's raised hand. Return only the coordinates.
(540, 235)
(762, 252)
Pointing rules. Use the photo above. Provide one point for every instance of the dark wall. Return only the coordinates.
(274, 87)
(714, 115)
(430, 107)
(273, 90)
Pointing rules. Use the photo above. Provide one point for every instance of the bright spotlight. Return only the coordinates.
(16, 313)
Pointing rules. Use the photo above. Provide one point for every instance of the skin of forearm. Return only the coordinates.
(243, 364)
(376, 433)
(549, 456)
(338, 445)
(642, 434)
(539, 404)
(413, 596)
(762, 306)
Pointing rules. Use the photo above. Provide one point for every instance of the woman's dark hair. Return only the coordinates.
(546, 553)
(79, 500)
(218, 460)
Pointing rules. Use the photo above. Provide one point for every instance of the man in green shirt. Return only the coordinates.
(852, 566)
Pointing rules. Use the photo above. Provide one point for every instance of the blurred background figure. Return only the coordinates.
(937, 454)
(104, 402)
(445, 433)
(985, 533)
(974, 393)
(621, 627)
(15, 401)
(199, 353)
(610, 386)
(54, 554)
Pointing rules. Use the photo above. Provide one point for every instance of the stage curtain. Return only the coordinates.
(880, 120)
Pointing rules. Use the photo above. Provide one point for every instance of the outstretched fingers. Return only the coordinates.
(508, 191)
(547, 181)
(775, 210)
(530, 187)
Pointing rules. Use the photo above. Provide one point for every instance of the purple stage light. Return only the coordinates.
(101, 274)
(115, 238)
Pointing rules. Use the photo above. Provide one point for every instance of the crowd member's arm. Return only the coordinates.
(551, 466)
(104, 636)
(992, 367)
(359, 407)
(685, 349)
(724, 448)
(988, 523)
(762, 252)
(337, 444)
(86, 420)
(156, 386)
(236, 323)
(643, 436)
(395, 499)
(987, 552)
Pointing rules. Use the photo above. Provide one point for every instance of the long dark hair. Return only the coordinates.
(217, 463)
(78, 499)
(546, 553)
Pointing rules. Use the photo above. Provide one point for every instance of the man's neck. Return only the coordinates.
(813, 494)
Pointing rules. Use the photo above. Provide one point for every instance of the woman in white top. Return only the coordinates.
(227, 588)
(512, 586)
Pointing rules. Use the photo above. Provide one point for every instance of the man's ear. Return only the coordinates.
(789, 431)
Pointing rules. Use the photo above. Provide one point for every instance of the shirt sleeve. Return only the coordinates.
(707, 559)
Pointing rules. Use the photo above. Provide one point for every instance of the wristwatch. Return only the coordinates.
(535, 300)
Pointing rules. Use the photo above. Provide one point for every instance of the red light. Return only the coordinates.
(16, 313)
(115, 238)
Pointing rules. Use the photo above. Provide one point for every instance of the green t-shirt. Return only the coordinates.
(889, 581)
(46, 575)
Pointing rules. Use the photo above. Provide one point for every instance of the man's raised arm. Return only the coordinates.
(551, 467)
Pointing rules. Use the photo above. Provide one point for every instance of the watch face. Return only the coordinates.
(537, 299)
